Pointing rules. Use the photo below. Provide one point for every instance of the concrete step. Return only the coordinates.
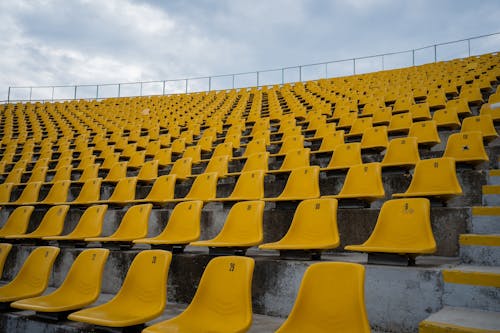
(486, 220)
(461, 320)
(494, 177)
(491, 195)
(472, 286)
(480, 249)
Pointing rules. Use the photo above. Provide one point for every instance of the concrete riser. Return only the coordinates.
(491, 199)
(480, 255)
(469, 296)
(485, 225)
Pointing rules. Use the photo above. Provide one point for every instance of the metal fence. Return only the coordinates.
(438, 52)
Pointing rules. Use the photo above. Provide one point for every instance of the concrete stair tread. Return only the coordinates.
(486, 210)
(461, 320)
(491, 189)
(495, 173)
(486, 276)
(480, 240)
(475, 268)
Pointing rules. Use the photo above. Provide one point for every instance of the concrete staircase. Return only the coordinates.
(472, 289)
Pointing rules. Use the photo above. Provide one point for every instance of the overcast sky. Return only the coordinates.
(58, 42)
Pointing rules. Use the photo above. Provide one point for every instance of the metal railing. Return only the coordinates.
(432, 53)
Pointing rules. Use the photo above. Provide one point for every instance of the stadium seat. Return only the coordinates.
(52, 224)
(313, 229)
(203, 188)
(219, 165)
(89, 225)
(222, 302)
(359, 126)
(425, 132)
(141, 298)
(330, 299)
(148, 172)
(492, 110)
(435, 177)
(58, 193)
(4, 252)
(80, 288)
(162, 191)
(117, 172)
(484, 124)
(447, 118)
(255, 146)
(375, 138)
(345, 156)
(400, 123)
(38, 174)
(403, 228)
(29, 194)
(33, 277)
(242, 229)
(194, 152)
(294, 159)
(249, 186)
(402, 153)
(134, 225)
(302, 183)
(164, 157)
(17, 222)
(182, 228)
(5, 192)
(182, 168)
(363, 182)
(62, 173)
(123, 194)
(14, 176)
(420, 112)
(466, 147)
(330, 142)
(291, 143)
(89, 193)
(89, 172)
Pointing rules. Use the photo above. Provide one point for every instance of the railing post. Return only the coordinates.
(233, 81)
(8, 95)
(300, 73)
(209, 83)
(282, 76)
(187, 80)
(141, 90)
(74, 97)
(257, 79)
(119, 89)
(468, 45)
(31, 91)
(383, 65)
(52, 99)
(413, 57)
(435, 53)
(326, 70)
(97, 92)
(163, 89)
(354, 66)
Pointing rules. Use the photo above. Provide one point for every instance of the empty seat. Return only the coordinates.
(420, 112)
(52, 224)
(5, 192)
(400, 123)
(484, 124)
(375, 138)
(182, 228)
(194, 152)
(134, 225)
(17, 222)
(124, 192)
(403, 228)
(4, 252)
(223, 149)
(425, 132)
(89, 172)
(222, 302)
(254, 162)
(447, 118)
(204, 188)
(38, 174)
(14, 176)
(148, 171)
(62, 173)
(80, 288)
(162, 191)
(89, 193)
(58, 193)
(345, 156)
(363, 182)
(302, 183)
(29, 194)
(330, 299)
(313, 229)
(141, 298)
(242, 229)
(401, 152)
(117, 172)
(294, 159)
(255, 146)
(330, 142)
(291, 143)
(359, 126)
(219, 165)
(435, 177)
(181, 168)
(466, 147)
(89, 225)
(249, 186)
(33, 277)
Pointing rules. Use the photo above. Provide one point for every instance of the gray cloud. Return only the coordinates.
(49, 42)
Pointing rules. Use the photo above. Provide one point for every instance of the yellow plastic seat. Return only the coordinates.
(345, 156)
(178, 146)
(109, 161)
(62, 173)
(33, 277)
(359, 126)
(89, 225)
(403, 104)
(400, 123)
(203, 188)
(5, 192)
(426, 133)
(466, 147)
(403, 227)
(58, 193)
(436, 100)
(330, 299)
(14, 176)
(89, 172)
(382, 116)
(222, 302)
(324, 131)
(38, 174)
(249, 186)
(141, 298)
(152, 148)
(85, 162)
(234, 140)
(164, 157)
(254, 162)
(291, 143)
(17, 222)
(80, 288)
(194, 152)
(255, 146)
(313, 228)
(242, 228)
(447, 118)
(182, 168)
(89, 193)
(162, 191)
(52, 224)
(148, 172)
(303, 183)
(223, 149)
(117, 172)
(471, 95)
(63, 162)
(492, 110)
(29, 194)
(219, 165)
(124, 192)
(134, 225)
(205, 143)
(294, 159)
(484, 124)
(401, 152)
(433, 177)
(375, 138)
(4, 252)
(420, 112)
(347, 120)
(460, 106)
(136, 161)
(182, 228)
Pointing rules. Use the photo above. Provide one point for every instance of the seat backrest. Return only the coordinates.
(466, 147)
(374, 137)
(178, 145)
(425, 132)
(86, 161)
(400, 122)
(364, 181)
(404, 225)
(134, 223)
(258, 161)
(184, 223)
(420, 111)
(360, 125)
(110, 160)
(249, 186)
(5, 191)
(222, 149)
(447, 117)
(296, 159)
(345, 156)
(182, 168)
(52, 223)
(14, 176)
(18, 221)
(401, 152)
(58, 192)
(30, 193)
(38, 174)
(137, 159)
(302, 183)
(149, 170)
(90, 223)
(124, 190)
(152, 148)
(204, 187)
(205, 142)
(330, 299)
(90, 192)
(219, 165)
(117, 172)
(4, 252)
(291, 143)
(224, 294)
(484, 124)
(325, 130)
(255, 146)
(62, 173)
(194, 152)
(62, 162)
(89, 172)
(163, 188)
(164, 156)
(243, 224)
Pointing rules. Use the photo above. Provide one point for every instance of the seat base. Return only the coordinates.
(227, 251)
(300, 254)
(71, 244)
(126, 329)
(353, 203)
(5, 307)
(117, 245)
(53, 316)
(177, 248)
(392, 259)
